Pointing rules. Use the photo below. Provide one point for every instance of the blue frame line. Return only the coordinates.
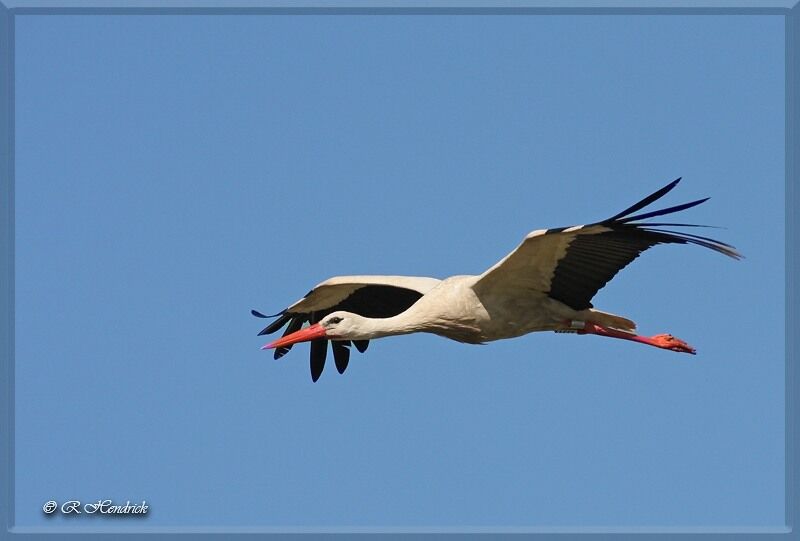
(7, 261)
(9, 9)
(238, 5)
(792, 378)
(394, 10)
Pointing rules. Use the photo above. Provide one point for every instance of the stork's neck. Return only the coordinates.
(404, 323)
(421, 320)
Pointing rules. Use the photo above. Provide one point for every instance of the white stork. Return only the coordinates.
(545, 284)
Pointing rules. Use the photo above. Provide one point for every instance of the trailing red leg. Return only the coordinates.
(663, 341)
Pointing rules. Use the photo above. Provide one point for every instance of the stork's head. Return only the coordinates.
(343, 326)
(335, 326)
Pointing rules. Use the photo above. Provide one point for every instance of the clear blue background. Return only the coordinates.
(173, 172)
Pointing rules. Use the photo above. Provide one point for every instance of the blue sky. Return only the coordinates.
(173, 172)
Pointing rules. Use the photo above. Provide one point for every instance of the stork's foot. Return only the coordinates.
(667, 341)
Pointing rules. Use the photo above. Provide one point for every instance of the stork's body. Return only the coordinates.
(454, 309)
(545, 284)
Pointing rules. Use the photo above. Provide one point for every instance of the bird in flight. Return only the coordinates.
(545, 284)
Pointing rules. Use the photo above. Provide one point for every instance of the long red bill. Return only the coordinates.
(303, 335)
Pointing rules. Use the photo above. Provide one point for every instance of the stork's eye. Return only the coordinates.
(335, 320)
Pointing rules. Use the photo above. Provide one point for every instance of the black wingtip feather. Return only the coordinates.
(706, 242)
(319, 350)
(341, 355)
(591, 260)
(262, 316)
(670, 210)
(275, 325)
(646, 201)
(673, 224)
(293, 326)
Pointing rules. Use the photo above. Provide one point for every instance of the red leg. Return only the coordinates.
(663, 341)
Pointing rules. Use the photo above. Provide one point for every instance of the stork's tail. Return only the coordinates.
(608, 320)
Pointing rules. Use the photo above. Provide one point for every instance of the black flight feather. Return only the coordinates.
(341, 354)
(275, 325)
(293, 326)
(319, 350)
(647, 200)
(592, 259)
(259, 314)
(370, 300)
(670, 210)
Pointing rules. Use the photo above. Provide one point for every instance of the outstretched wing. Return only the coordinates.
(367, 296)
(571, 264)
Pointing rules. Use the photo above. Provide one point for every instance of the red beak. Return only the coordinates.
(303, 335)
